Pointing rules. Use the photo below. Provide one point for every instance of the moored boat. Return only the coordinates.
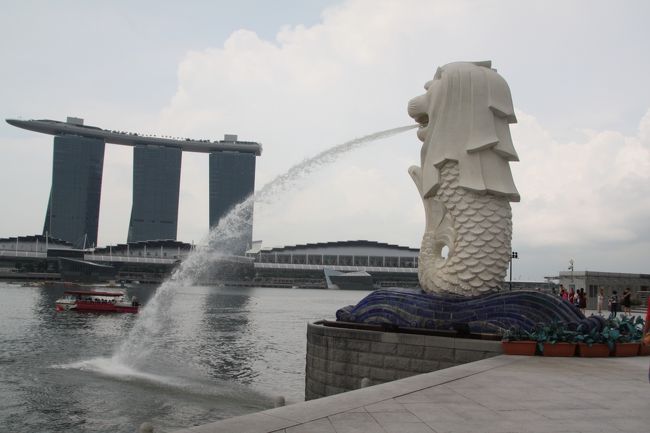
(88, 300)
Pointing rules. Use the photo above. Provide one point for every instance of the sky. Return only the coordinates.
(302, 76)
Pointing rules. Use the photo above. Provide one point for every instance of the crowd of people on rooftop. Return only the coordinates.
(579, 299)
(169, 137)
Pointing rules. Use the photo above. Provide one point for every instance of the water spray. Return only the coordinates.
(218, 244)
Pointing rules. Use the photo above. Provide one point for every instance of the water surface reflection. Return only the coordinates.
(222, 352)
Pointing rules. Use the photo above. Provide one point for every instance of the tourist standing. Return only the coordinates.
(572, 295)
(582, 300)
(646, 326)
(646, 331)
(613, 304)
(563, 294)
(627, 301)
(601, 300)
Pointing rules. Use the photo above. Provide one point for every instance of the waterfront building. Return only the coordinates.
(73, 210)
(357, 264)
(156, 185)
(232, 180)
(30, 257)
(352, 262)
(73, 207)
(157, 249)
(25, 245)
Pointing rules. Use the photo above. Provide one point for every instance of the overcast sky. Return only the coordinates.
(302, 76)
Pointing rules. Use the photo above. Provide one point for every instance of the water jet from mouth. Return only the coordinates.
(219, 244)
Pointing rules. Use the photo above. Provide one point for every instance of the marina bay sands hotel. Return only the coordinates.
(78, 161)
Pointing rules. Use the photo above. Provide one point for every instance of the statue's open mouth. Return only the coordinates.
(423, 120)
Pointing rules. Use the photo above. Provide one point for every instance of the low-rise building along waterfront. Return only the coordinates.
(388, 265)
(364, 264)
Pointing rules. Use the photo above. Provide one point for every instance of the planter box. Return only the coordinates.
(644, 350)
(526, 348)
(559, 349)
(626, 349)
(595, 351)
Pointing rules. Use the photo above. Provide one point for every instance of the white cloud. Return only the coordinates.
(582, 193)
(314, 87)
(311, 87)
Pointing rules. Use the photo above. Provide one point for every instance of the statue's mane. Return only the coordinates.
(470, 112)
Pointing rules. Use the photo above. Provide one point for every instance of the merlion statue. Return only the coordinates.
(464, 178)
(466, 186)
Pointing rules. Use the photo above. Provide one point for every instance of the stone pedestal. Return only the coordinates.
(339, 358)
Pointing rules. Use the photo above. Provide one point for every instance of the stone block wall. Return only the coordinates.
(338, 358)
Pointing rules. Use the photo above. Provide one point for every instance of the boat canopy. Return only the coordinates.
(91, 293)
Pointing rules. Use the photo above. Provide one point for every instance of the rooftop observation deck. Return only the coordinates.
(75, 126)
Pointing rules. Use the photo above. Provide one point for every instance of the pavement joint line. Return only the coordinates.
(456, 378)
(505, 361)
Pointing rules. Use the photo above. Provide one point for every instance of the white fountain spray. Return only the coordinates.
(218, 246)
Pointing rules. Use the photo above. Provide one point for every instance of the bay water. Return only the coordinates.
(223, 352)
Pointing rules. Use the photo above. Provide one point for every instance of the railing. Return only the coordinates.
(334, 267)
(18, 253)
(94, 257)
(129, 259)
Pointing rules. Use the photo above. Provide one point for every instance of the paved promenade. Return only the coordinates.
(501, 394)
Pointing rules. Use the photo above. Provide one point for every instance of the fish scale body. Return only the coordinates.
(477, 229)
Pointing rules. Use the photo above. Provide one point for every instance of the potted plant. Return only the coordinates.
(644, 350)
(630, 333)
(591, 343)
(554, 339)
(517, 341)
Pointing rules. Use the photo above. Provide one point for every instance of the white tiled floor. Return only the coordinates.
(502, 394)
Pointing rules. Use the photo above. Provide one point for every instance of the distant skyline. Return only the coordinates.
(300, 77)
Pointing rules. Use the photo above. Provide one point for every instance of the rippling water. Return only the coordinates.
(223, 352)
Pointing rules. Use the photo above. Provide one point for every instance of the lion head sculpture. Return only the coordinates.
(464, 117)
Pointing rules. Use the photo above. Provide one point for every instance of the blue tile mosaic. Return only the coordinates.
(492, 313)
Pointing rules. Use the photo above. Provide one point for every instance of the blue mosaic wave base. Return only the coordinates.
(491, 313)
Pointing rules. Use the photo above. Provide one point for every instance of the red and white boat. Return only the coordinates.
(88, 300)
